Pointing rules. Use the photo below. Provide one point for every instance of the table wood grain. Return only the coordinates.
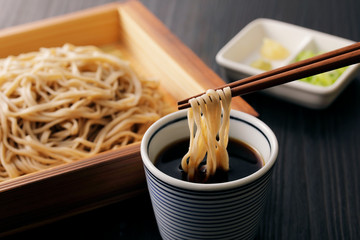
(316, 183)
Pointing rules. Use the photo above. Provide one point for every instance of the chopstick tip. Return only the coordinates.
(183, 106)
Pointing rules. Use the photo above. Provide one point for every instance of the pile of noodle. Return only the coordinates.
(62, 104)
(208, 119)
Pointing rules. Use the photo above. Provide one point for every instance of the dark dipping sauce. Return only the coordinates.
(243, 161)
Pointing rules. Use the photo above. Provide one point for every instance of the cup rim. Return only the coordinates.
(257, 123)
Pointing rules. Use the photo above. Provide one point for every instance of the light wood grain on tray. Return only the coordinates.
(111, 176)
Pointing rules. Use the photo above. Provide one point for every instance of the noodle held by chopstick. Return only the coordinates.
(209, 120)
(62, 104)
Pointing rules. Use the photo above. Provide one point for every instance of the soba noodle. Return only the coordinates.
(62, 104)
(208, 119)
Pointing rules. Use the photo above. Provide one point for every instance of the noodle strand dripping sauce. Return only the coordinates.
(209, 134)
(209, 155)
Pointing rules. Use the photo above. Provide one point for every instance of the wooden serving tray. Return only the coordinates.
(108, 177)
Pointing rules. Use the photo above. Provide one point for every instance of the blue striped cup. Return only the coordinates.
(229, 210)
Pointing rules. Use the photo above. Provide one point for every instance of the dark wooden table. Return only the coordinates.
(316, 184)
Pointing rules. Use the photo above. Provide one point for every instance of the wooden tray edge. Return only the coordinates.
(199, 70)
(39, 182)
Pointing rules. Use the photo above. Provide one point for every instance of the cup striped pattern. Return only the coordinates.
(230, 210)
(187, 214)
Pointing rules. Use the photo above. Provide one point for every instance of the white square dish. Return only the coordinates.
(238, 54)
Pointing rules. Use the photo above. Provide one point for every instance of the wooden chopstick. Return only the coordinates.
(322, 63)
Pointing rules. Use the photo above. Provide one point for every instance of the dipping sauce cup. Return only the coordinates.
(228, 210)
